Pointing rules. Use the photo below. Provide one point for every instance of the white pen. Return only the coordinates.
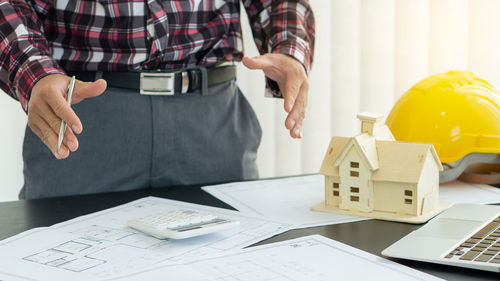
(69, 95)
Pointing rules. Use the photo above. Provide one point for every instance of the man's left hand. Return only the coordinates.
(293, 83)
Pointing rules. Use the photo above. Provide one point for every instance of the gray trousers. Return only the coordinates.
(130, 141)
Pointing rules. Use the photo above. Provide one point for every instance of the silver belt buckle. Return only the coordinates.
(157, 83)
(161, 84)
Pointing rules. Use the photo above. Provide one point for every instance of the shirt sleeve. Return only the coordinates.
(282, 27)
(24, 52)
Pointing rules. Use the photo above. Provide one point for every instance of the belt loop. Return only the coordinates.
(98, 75)
(204, 80)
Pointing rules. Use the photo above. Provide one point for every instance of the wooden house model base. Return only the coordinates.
(321, 207)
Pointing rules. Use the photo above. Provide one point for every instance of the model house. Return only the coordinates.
(375, 176)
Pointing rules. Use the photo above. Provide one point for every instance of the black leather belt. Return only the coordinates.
(163, 83)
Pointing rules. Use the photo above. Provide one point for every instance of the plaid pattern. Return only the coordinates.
(41, 37)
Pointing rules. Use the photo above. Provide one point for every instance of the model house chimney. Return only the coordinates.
(369, 122)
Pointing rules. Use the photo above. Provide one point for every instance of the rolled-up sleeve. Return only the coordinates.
(24, 52)
(283, 27)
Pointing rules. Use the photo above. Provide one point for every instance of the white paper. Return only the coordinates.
(313, 258)
(100, 245)
(288, 200)
(462, 192)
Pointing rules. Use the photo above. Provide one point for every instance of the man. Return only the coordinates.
(204, 132)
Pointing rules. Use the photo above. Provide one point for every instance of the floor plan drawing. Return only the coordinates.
(69, 255)
(306, 258)
(100, 245)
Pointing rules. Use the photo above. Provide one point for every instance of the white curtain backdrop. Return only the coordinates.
(368, 53)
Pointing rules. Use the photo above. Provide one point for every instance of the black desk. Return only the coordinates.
(372, 236)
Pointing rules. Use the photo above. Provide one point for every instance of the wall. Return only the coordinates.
(368, 53)
(12, 124)
(396, 192)
(428, 186)
(362, 182)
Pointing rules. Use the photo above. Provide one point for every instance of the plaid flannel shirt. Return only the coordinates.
(42, 37)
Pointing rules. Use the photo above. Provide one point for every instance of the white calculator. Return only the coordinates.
(180, 224)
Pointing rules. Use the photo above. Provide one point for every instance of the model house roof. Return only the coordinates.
(394, 161)
(403, 161)
(387, 159)
(365, 144)
(336, 146)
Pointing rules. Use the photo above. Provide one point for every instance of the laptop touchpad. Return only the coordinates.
(448, 228)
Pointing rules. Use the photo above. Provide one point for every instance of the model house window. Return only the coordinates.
(354, 174)
(408, 196)
(354, 164)
(355, 198)
(335, 189)
(354, 189)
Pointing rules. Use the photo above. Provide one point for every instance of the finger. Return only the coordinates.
(60, 107)
(299, 105)
(292, 89)
(70, 140)
(297, 114)
(55, 124)
(47, 114)
(296, 131)
(85, 90)
(259, 62)
(48, 137)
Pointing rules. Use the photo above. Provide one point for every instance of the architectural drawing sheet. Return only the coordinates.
(288, 200)
(100, 245)
(310, 258)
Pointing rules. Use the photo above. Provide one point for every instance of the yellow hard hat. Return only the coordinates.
(456, 111)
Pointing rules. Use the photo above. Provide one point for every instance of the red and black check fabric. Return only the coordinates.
(41, 37)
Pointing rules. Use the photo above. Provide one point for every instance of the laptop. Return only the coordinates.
(466, 235)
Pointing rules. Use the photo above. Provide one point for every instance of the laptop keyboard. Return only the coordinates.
(483, 246)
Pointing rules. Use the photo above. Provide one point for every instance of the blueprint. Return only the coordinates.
(100, 245)
(290, 199)
(287, 200)
(310, 258)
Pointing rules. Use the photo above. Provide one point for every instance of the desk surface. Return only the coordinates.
(372, 236)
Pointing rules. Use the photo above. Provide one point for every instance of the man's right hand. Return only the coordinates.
(48, 106)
